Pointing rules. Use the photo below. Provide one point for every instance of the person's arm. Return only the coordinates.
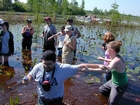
(73, 45)
(104, 59)
(32, 31)
(23, 30)
(78, 34)
(27, 79)
(93, 67)
(42, 35)
(54, 36)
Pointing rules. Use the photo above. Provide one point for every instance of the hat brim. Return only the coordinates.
(66, 30)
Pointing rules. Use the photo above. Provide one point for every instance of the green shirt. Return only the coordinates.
(119, 79)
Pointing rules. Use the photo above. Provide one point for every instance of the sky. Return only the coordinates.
(125, 6)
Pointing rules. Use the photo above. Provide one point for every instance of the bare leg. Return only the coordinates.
(0, 60)
(6, 60)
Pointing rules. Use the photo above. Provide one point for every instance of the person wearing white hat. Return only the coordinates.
(69, 46)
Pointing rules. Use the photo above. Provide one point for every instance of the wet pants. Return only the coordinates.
(112, 91)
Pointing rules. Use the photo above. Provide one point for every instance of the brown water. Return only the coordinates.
(82, 89)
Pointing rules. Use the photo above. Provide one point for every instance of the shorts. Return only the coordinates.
(59, 52)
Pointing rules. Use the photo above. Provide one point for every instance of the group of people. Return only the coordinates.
(66, 39)
(50, 75)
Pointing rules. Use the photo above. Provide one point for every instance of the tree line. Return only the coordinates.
(60, 7)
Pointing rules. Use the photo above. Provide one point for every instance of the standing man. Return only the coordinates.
(50, 77)
(48, 31)
(75, 32)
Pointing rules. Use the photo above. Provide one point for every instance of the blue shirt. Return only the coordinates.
(5, 43)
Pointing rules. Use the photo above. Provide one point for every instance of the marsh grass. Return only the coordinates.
(14, 101)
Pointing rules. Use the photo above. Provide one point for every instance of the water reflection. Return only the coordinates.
(27, 59)
(6, 73)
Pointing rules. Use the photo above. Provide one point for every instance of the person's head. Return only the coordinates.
(108, 37)
(48, 20)
(49, 59)
(29, 21)
(70, 21)
(62, 29)
(68, 29)
(5, 26)
(114, 46)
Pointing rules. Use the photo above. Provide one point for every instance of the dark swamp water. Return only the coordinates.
(82, 89)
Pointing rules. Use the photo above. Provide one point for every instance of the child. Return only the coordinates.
(108, 37)
(61, 36)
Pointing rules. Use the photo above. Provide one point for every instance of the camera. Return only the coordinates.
(46, 85)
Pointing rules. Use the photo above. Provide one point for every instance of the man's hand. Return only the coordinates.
(25, 80)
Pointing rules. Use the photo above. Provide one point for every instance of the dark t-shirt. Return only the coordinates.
(49, 31)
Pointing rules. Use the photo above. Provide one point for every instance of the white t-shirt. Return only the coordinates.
(61, 73)
(61, 39)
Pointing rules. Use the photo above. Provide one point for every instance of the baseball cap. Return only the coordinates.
(29, 20)
(47, 18)
(68, 28)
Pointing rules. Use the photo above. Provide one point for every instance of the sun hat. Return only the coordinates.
(68, 28)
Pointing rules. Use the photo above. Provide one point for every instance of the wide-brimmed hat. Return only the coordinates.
(68, 28)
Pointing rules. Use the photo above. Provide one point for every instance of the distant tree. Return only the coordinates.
(115, 15)
(65, 5)
(96, 11)
(19, 7)
(6, 5)
(83, 4)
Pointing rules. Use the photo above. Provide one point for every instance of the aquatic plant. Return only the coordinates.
(35, 61)
(14, 101)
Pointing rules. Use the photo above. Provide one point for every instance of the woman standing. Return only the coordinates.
(6, 44)
(27, 33)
